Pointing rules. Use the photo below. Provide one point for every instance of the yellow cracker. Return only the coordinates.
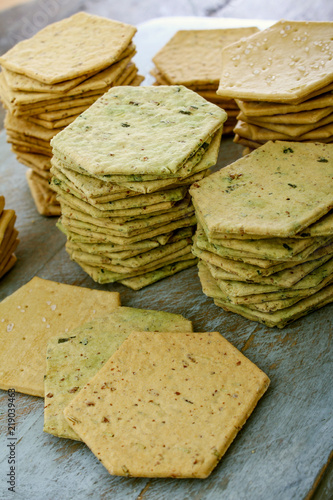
(44, 201)
(279, 63)
(73, 359)
(164, 410)
(34, 314)
(88, 43)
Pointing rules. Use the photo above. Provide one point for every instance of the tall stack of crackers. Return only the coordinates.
(122, 171)
(193, 58)
(266, 244)
(8, 238)
(282, 80)
(49, 79)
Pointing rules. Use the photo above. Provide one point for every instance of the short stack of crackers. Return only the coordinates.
(266, 244)
(122, 171)
(193, 58)
(49, 79)
(8, 238)
(282, 80)
(172, 406)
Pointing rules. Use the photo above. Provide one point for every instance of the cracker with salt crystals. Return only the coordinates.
(135, 115)
(192, 57)
(73, 359)
(263, 193)
(152, 418)
(88, 44)
(283, 63)
(31, 316)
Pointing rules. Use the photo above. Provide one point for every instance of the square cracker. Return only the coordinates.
(277, 190)
(283, 63)
(31, 316)
(144, 414)
(88, 44)
(72, 360)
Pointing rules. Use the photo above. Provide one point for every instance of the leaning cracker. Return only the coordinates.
(72, 360)
(273, 65)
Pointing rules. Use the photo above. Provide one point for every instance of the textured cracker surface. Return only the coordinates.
(167, 404)
(277, 190)
(75, 46)
(73, 359)
(163, 126)
(282, 63)
(31, 316)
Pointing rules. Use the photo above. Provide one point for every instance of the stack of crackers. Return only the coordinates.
(266, 245)
(193, 58)
(122, 171)
(8, 238)
(49, 79)
(282, 80)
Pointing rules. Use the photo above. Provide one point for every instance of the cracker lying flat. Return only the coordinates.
(153, 418)
(264, 193)
(88, 43)
(171, 115)
(192, 57)
(284, 63)
(72, 360)
(31, 316)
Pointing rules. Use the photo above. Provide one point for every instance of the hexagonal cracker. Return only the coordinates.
(285, 62)
(167, 404)
(276, 191)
